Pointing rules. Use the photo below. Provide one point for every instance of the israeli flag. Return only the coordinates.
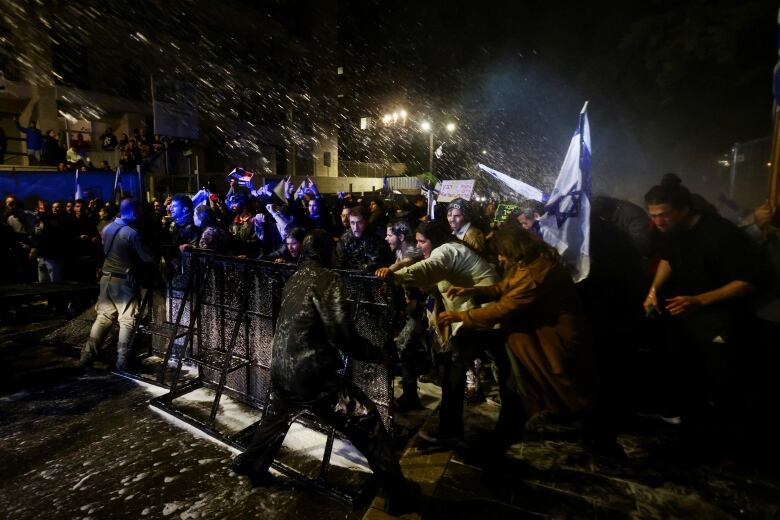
(118, 185)
(79, 194)
(202, 197)
(386, 189)
(518, 186)
(566, 223)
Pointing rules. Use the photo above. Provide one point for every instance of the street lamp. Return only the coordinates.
(426, 126)
(393, 117)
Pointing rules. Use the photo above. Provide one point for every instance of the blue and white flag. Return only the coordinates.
(516, 185)
(566, 224)
(118, 185)
(387, 190)
(79, 194)
(202, 197)
(244, 177)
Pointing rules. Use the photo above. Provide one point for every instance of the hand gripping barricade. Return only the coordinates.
(220, 317)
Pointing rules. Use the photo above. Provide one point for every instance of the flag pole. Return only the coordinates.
(774, 176)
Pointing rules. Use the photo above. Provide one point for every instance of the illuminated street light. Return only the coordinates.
(402, 113)
(484, 152)
(426, 126)
(387, 118)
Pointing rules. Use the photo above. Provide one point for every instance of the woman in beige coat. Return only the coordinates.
(539, 311)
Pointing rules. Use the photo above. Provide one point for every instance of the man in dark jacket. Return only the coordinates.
(290, 252)
(359, 248)
(181, 229)
(313, 334)
(48, 246)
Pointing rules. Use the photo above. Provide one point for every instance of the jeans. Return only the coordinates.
(464, 347)
(118, 300)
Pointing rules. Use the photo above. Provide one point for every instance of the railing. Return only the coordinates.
(16, 155)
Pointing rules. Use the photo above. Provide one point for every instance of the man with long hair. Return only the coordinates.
(541, 315)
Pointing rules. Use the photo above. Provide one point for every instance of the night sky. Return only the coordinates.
(671, 84)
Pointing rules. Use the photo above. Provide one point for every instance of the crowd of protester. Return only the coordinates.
(475, 293)
(51, 148)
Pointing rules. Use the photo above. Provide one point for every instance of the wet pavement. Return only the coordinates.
(88, 445)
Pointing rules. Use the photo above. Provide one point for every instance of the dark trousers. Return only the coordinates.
(409, 343)
(707, 350)
(349, 411)
(464, 347)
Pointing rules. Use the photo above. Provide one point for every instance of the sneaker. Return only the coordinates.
(87, 356)
(473, 395)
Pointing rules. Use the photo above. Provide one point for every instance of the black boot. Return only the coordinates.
(408, 402)
(245, 467)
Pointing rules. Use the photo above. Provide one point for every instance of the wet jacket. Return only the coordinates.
(312, 331)
(367, 253)
(187, 234)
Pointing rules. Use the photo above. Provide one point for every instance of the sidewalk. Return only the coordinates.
(551, 474)
(89, 445)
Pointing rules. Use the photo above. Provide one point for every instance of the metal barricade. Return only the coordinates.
(220, 291)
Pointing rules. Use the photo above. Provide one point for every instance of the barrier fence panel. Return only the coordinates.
(230, 281)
